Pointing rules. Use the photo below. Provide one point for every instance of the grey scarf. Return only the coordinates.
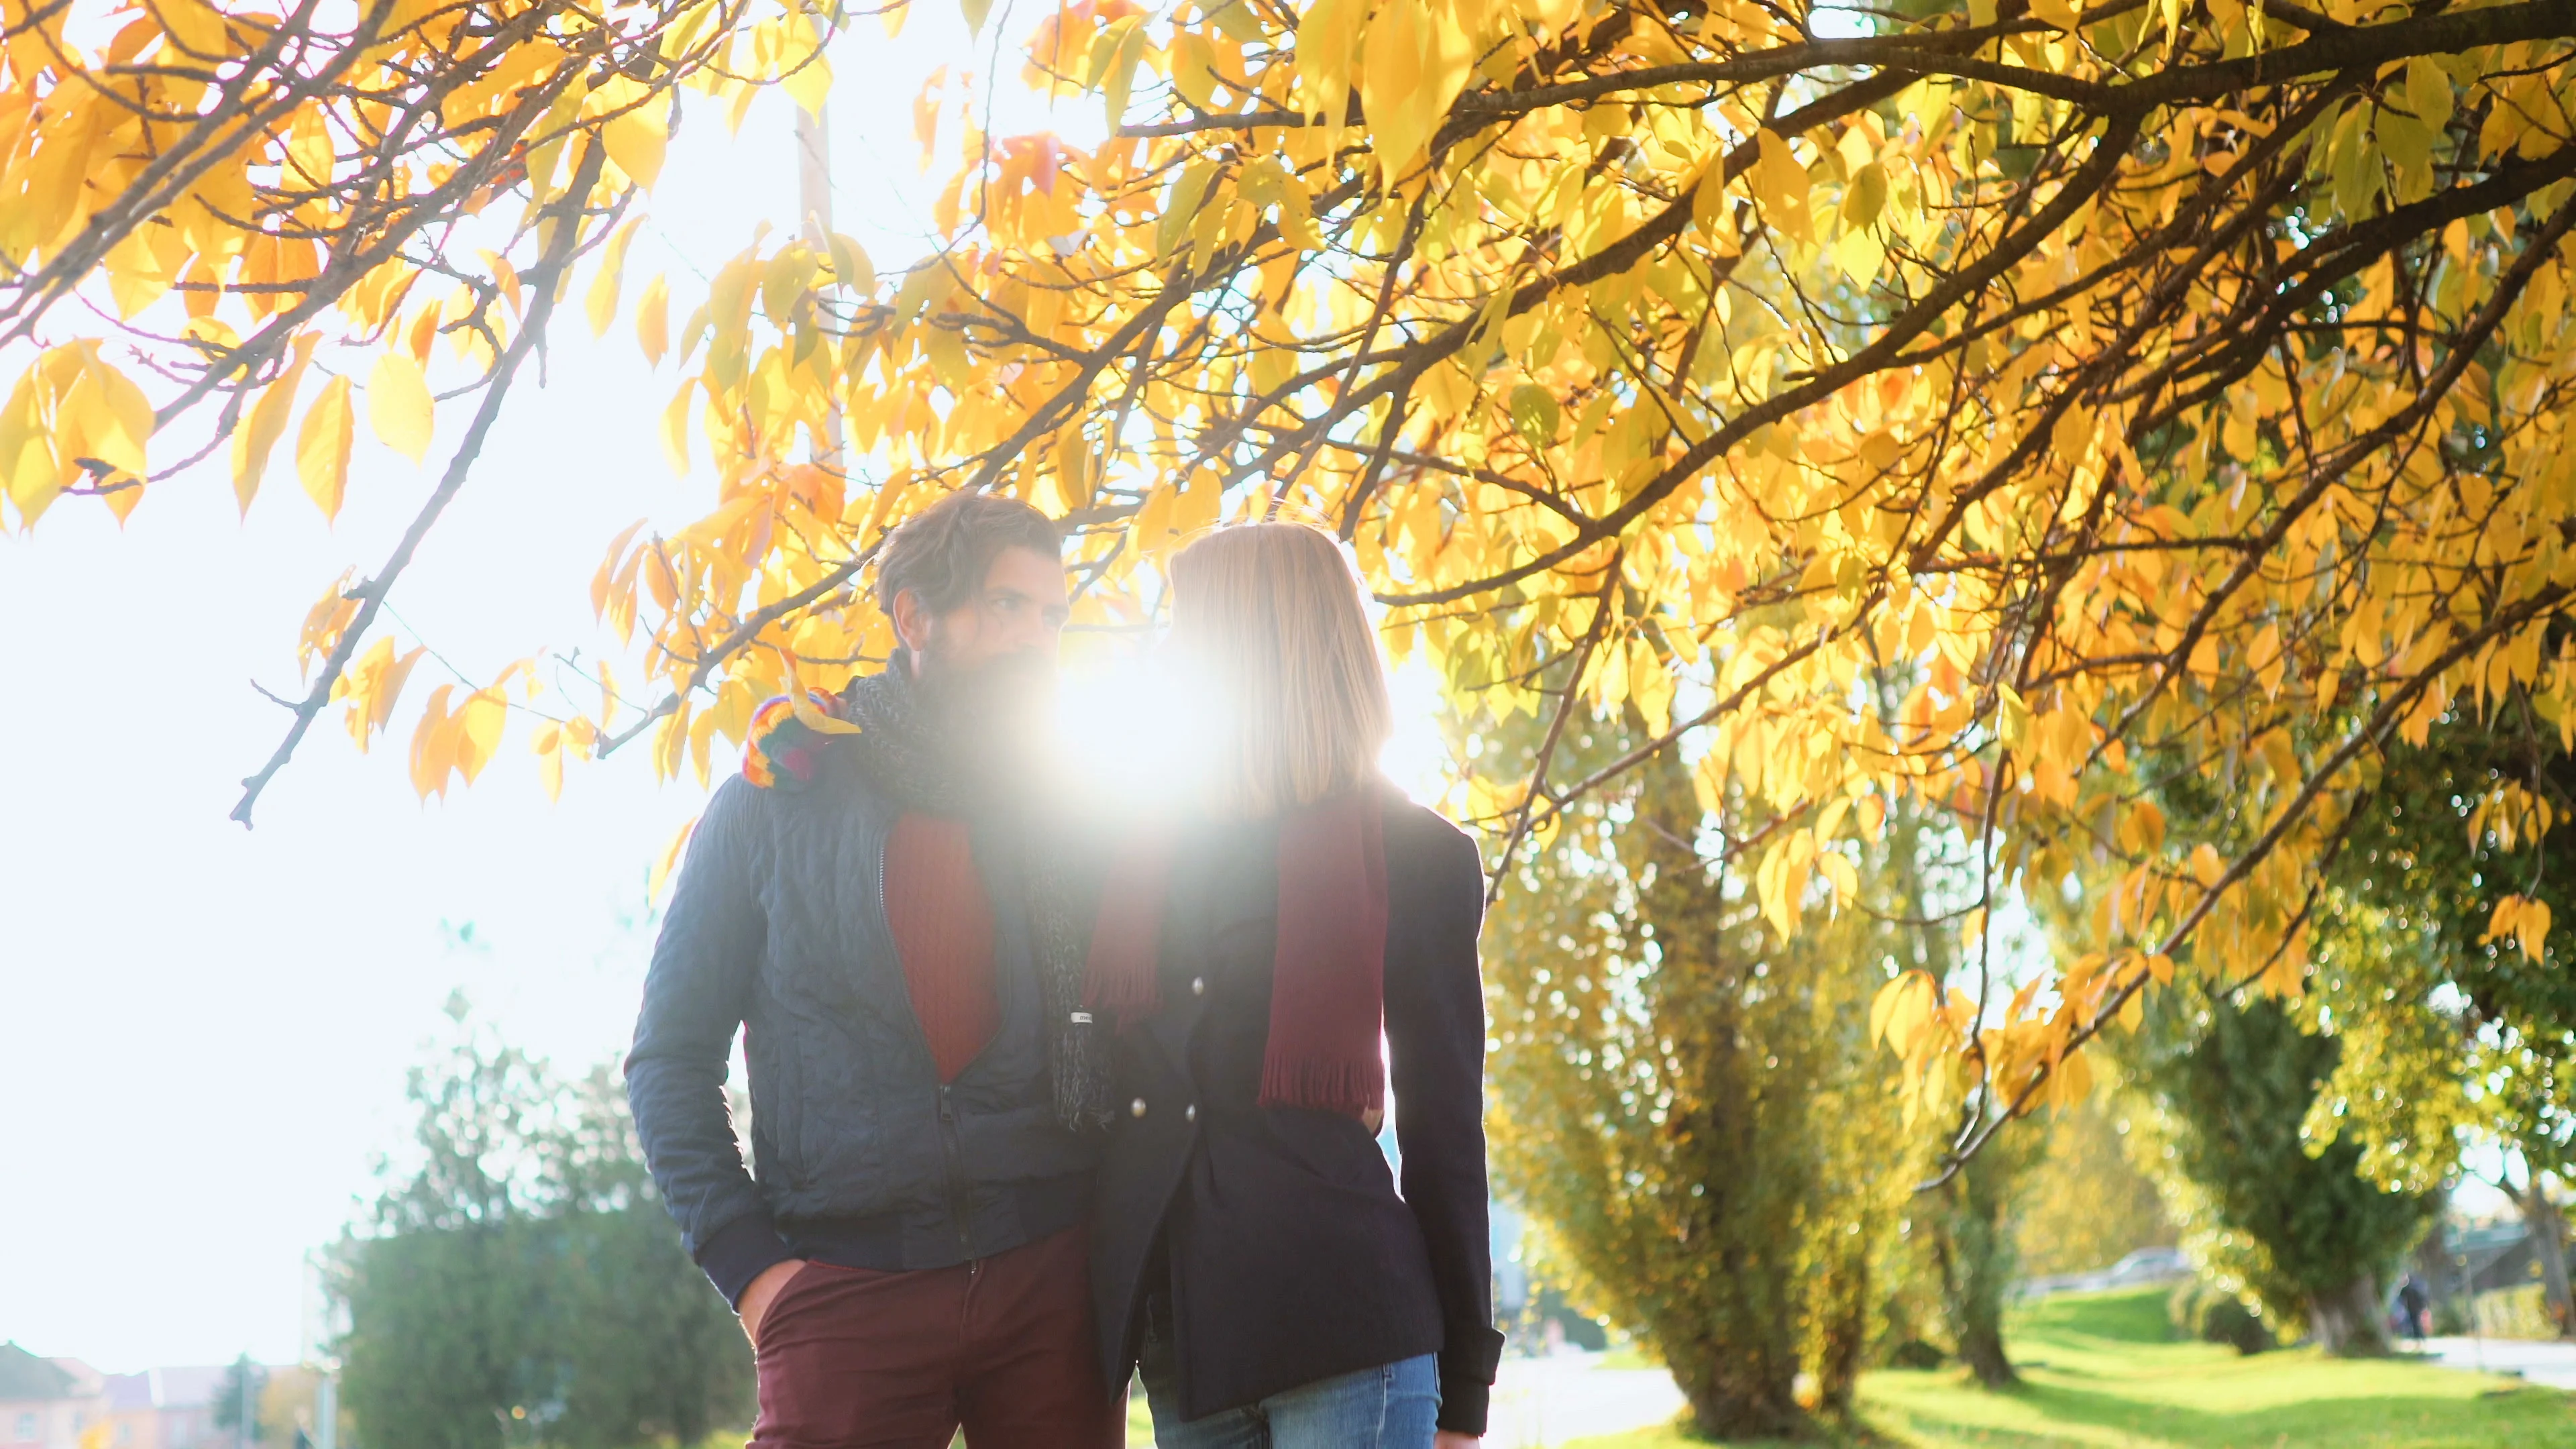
(905, 754)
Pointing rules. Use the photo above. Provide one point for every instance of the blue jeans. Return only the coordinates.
(1392, 1406)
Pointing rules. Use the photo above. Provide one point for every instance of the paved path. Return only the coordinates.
(1546, 1401)
(2553, 1364)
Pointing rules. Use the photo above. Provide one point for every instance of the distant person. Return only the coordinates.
(2414, 1307)
(876, 902)
(1251, 1255)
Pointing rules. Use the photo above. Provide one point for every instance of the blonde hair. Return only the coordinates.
(1269, 616)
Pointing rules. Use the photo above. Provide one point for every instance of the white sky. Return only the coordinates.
(203, 1031)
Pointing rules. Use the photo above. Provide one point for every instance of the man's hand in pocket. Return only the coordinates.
(764, 1290)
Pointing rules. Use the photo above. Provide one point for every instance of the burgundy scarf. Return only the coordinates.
(1328, 986)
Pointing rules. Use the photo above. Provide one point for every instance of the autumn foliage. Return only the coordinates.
(2143, 388)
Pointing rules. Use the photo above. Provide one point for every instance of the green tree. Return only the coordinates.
(1973, 1250)
(2457, 1017)
(1685, 1100)
(2286, 1218)
(522, 1284)
(238, 1398)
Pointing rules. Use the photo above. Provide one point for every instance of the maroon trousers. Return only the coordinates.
(1002, 1347)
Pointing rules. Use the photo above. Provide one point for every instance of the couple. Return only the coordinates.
(1038, 1102)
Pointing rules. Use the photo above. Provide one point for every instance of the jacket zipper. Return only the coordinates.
(956, 1173)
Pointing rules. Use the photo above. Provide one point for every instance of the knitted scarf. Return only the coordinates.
(907, 753)
(1328, 974)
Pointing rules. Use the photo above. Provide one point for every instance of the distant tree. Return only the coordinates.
(244, 1384)
(649, 1350)
(522, 1284)
(2089, 1204)
(1685, 1099)
(2291, 1221)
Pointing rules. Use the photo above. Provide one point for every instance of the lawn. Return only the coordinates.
(2102, 1372)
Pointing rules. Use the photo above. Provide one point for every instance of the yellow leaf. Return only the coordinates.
(1844, 876)
(483, 715)
(1650, 684)
(2531, 931)
(29, 474)
(430, 757)
(2525, 920)
(1901, 1009)
(256, 436)
(1412, 65)
(635, 140)
(810, 84)
(549, 745)
(1781, 183)
(2012, 717)
(399, 406)
(2428, 92)
(2206, 867)
(1865, 197)
(669, 862)
(653, 319)
(105, 416)
(602, 299)
(675, 429)
(851, 267)
(322, 447)
(196, 26)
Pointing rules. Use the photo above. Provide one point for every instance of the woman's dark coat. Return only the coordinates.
(1291, 1257)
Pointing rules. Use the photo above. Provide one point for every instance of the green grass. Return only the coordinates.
(1140, 1421)
(2101, 1371)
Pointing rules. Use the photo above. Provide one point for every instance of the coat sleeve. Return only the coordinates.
(1435, 1028)
(695, 997)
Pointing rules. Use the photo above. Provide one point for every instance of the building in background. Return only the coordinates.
(63, 1403)
(165, 1408)
(47, 1403)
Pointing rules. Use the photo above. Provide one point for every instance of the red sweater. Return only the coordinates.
(943, 931)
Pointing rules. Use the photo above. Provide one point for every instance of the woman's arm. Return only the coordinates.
(1435, 1029)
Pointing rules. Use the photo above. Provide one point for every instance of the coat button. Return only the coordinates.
(1190, 1113)
(1198, 986)
(1136, 1108)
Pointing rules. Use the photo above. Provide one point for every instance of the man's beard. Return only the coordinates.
(989, 720)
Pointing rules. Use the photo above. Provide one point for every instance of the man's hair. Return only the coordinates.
(943, 553)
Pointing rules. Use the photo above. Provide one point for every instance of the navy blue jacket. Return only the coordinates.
(777, 929)
(1275, 1238)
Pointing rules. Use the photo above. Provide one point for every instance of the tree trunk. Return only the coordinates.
(2548, 1229)
(2349, 1321)
(1741, 1400)
(1977, 1336)
(1972, 1246)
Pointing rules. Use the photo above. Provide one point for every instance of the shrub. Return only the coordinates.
(2204, 1311)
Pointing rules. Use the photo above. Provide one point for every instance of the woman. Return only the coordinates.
(1251, 1255)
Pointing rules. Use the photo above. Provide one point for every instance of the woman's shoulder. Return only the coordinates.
(1425, 845)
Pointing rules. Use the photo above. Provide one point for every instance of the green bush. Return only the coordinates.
(2202, 1310)
(2515, 1313)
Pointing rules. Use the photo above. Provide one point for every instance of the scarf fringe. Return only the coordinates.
(1353, 1089)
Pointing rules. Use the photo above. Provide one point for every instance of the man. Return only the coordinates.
(872, 905)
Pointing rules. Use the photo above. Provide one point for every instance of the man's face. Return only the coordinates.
(987, 667)
(1018, 616)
